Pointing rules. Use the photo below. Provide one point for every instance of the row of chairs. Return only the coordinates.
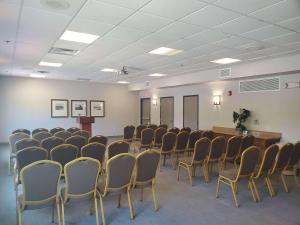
(52, 131)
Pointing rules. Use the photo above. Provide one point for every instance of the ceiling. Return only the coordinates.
(128, 29)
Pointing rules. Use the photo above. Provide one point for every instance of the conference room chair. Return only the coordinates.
(25, 143)
(231, 152)
(55, 130)
(186, 129)
(94, 150)
(81, 179)
(208, 134)
(64, 153)
(216, 150)
(152, 126)
(281, 163)
(40, 136)
(73, 129)
(77, 141)
(167, 146)
(13, 139)
(82, 133)
(37, 130)
(25, 131)
(128, 133)
(116, 148)
(199, 158)
(247, 141)
(119, 170)
(265, 168)
(145, 173)
(99, 139)
(138, 132)
(158, 134)
(180, 146)
(63, 134)
(40, 186)
(193, 138)
(174, 130)
(293, 163)
(164, 126)
(231, 177)
(51, 142)
(146, 139)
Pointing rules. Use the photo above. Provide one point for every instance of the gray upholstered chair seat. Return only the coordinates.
(231, 173)
(33, 206)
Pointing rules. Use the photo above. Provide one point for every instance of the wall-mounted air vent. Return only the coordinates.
(225, 73)
(63, 51)
(257, 85)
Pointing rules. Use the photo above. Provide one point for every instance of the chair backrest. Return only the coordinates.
(139, 130)
(25, 131)
(146, 165)
(94, 150)
(64, 153)
(77, 141)
(82, 133)
(117, 148)
(201, 150)
(233, 147)
(25, 143)
(40, 136)
(158, 134)
(164, 126)
(73, 129)
(208, 134)
(217, 148)
(14, 138)
(51, 142)
(181, 140)
(295, 155)
(174, 130)
(40, 181)
(129, 132)
(99, 139)
(186, 129)
(119, 171)
(81, 177)
(247, 141)
(147, 136)
(29, 155)
(37, 130)
(56, 129)
(63, 134)
(249, 160)
(168, 142)
(268, 159)
(283, 157)
(152, 126)
(193, 138)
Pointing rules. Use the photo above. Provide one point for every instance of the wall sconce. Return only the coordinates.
(217, 99)
(154, 101)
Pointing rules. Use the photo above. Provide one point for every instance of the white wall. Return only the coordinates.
(277, 111)
(26, 103)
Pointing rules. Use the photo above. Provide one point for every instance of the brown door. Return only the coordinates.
(167, 111)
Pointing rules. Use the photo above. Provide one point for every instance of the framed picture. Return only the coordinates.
(78, 108)
(59, 108)
(97, 108)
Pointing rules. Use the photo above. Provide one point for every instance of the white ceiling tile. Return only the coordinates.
(210, 16)
(159, 41)
(8, 20)
(209, 36)
(173, 9)
(89, 26)
(126, 33)
(202, 50)
(55, 58)
(293, 24)
(234, 42)
(284, 39)
(281, 11)
(185, 44)
(132, 4)
(295, 45)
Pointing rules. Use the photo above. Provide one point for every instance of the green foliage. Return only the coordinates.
(240, 119)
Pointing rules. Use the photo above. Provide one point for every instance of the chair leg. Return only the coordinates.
(62, 212)
(256, 190)
(9, 165)
(296, 180)
(164, 161)
(284, 183)
(178, 171)
(96, 211)
(142, 195)
(102, 209)
(119, 200)
(154, 196)
(270, 187)
(252, 190)
(58, 213)
(233, 188)
(218, 188)
(205, 172)
(190, 175)
(53, 213)
(19, 216)
(130, 204)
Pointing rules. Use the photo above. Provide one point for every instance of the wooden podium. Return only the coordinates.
(86, 123)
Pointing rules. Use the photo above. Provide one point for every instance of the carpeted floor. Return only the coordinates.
(179, 204)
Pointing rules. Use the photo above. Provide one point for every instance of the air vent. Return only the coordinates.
(225, 73)
(63, 51)
(42, 71)
(258, 85)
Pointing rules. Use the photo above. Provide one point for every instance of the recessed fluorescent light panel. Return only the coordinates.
(165, 51)
(34, 75)
(109, 70)
(78, 37)
(225, 61)
(50, 64)
(122, 82)
(157, 75)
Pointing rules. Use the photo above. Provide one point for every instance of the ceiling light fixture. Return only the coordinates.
(78, 37)
(122, 82)
(157, 75)
(50, 64)
(225, 61)
(109, 70)
(165, 51)
(34, 75)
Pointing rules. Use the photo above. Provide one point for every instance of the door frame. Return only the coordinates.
(160, 108)
(197, 109)
(141, 109)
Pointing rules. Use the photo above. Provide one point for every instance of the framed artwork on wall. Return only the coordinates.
(78, 108)
(97, 108)
(59, 108)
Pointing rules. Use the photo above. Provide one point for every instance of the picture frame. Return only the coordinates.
(97, 108)
(59, 108)
(78, 108)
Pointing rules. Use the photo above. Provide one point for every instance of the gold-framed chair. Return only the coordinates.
(232, 149)
(76, 140)
(158, 134)
(246, 169)
(186, 129)
(146, 139)
(145, 172)
(199, 158)
(51, 142)
(37, 130)
(182, 139)
(64, 153)
(81, 180)
(40, 188)
(94, 150)
(55, 130)
(63, 134)
(73, 129)
(128, 134)
(208, 134)
(174, 130)
(21, 130)
(117, 147)
(82, 133)
(193, 138)
(167, 147)
(118, 179)
(246, 142)
(40, 136)
(152, 126)
(138, 132)
(99, 139)
(25, 143)
(163, 125)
